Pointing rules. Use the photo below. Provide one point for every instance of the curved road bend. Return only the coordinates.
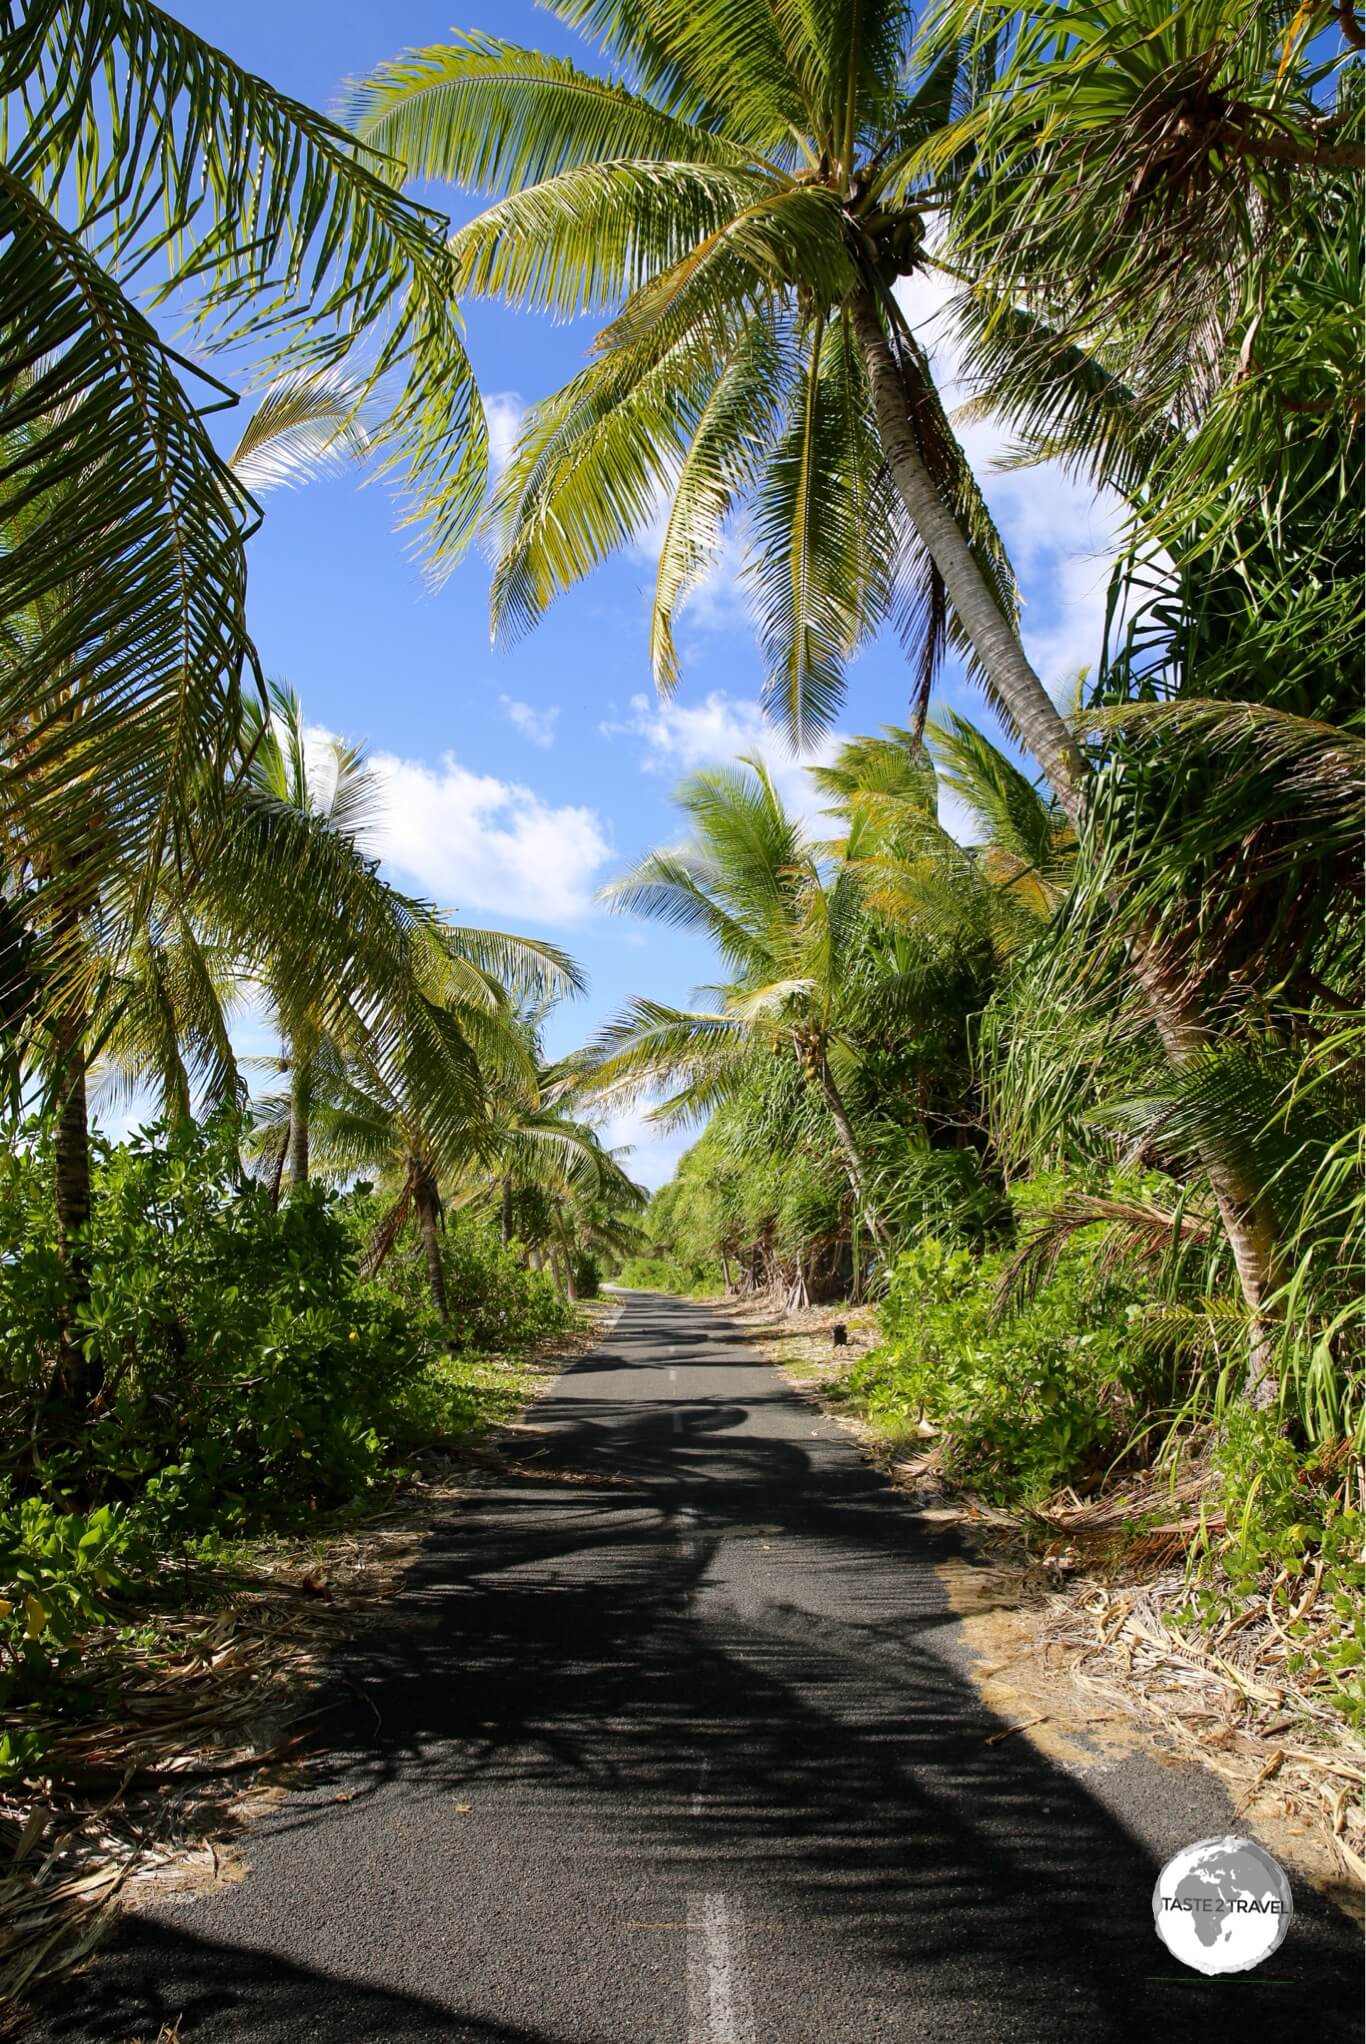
(668, 1742)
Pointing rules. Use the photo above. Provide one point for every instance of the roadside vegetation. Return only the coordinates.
(1080, 1099)
(1075, 1104)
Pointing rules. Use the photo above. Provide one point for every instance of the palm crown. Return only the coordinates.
(742, 207)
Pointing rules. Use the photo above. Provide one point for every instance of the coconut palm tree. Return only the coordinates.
(742, 197)
(553, 1167)
(413, 1132)
(83, 901)
(468, 1115)
(145, 158)
(285, 901)
(995, 892)
(790, 931)
(743, 207)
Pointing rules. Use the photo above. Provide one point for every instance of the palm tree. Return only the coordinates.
(83, 980)
(550, 1163)
(286, 900)
(996, 892)
(146, 158)
(471, 1112)
(791, 933)
(744, 207)
(743, 197)
(413, 1132)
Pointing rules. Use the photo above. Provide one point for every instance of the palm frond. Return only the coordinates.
(267, 222)
(305, 422)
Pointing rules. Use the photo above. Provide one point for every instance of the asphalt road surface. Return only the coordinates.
(668, 1741)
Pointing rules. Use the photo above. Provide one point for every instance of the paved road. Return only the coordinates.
(668, 1742)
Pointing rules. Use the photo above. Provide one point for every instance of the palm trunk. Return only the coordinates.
(278, 1173)
(993, 636)
(428, 1213)
(853, 1162)
(300, 1107)
(79, 1379)
(506, 1222)
(1044, 733)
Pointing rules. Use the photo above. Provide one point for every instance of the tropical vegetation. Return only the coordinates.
(1125, 1025)
(251, 1311)
(1076, 1102)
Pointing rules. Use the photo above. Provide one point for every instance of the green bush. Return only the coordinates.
(458, 1395)
(496, 1303)
(653, 1274)
(245, 1372)
(1023, 1400)
(1287, 1520)
(587, 1275)
(57, 1569)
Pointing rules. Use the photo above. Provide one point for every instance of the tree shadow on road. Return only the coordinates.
(740, 1658)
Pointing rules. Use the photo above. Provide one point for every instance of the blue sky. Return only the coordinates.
(518, 781)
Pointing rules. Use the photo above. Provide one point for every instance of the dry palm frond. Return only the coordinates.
(1228, 1699)
(1133, 1229)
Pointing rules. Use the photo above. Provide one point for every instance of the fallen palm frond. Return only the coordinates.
(180, 1719)
(1227, 1699)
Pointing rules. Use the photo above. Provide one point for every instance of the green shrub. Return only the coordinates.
(1287, 1520)
(458, 1395)
(653, 1274)
(245, 1371)
(587, 1275)
(496, 1303)
(56, 1571)
(1023, 1400)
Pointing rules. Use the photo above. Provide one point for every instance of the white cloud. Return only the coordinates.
(720, 729)
(537, 725)
(679, 737)
(471, 841)
(653, 1151)
(504, 412)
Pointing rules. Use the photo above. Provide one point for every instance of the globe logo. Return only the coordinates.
(1222, 1906)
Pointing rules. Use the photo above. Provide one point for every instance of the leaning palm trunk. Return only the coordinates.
(428, 1204)
(993, 636)
(1044, 733)
(853, 1161)
(300, 1108)
(278, 1169)
(71, 1187)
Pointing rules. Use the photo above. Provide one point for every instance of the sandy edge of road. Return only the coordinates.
(1029, 1678)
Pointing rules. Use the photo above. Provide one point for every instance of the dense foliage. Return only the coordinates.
(251, 1377)
(1078, 1101)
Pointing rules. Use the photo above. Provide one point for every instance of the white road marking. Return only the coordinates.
(719, 2007)
(673, 1376)
(695, 1806)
